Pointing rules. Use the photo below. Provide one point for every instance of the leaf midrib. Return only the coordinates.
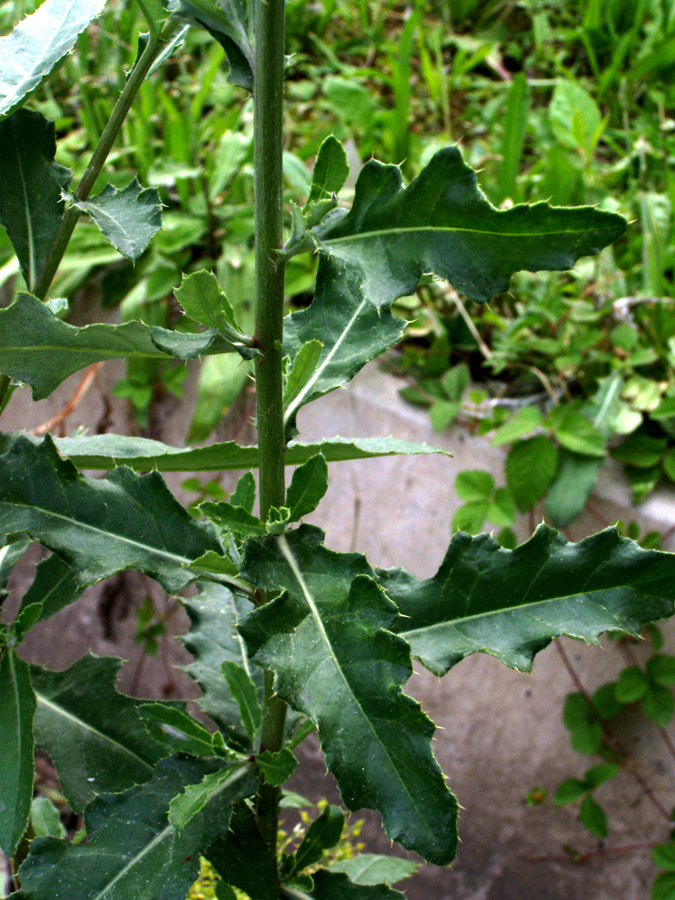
(413, 229)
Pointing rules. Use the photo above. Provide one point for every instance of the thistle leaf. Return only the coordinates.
(227, 22)
(513, 603)
(129, 219)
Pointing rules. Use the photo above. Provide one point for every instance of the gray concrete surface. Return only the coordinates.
(500, 732)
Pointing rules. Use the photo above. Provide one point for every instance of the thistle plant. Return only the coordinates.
(287, 636)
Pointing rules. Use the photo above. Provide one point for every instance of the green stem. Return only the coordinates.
(268, 124)
(96, 163)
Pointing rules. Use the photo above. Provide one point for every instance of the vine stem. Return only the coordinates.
(268, 132)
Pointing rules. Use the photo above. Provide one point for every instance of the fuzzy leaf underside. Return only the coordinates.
(33, 48)
(353, 332)
(513, 603)
(227, 23)
(105, 451)
(98, 526)
(132, 851)
(94, 735)
(129, 219)
(17, 713)
(38, 349)
(442, 223)
(31, 206)
(212, 640)
(325, 639)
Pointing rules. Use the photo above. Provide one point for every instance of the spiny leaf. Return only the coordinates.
(305, 362)
(203, 300)
(330, 170)
(38, 349)
(212, 640)
(277, 767)
(371, 868)
(33, 48)
(129, 219)
(98, 526)
(325, 639)
(31, 206)
(512, 603)
(185, 806)
(308, 486)
(442, 223)
(105, 451)
(54, 587)
(243, 859)
(171, 724)
(94, 735)
(324, 833)
(245, 694)
(353, 332)
(227, 22)
(17, 748)
(132, 851)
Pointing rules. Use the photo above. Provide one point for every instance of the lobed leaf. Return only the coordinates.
(17, 748)
(31, 205)
(227, 22)
(325, 638)
(54, 587)
(132, 850)
(105, 451)
(38, 349)
(94, 735)
(129, 219)
(33, 48)
(442, 223)
(513, 603)
(98, 526)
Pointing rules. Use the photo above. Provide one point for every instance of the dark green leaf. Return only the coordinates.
(277, 767)
(129, 219)
(94, 735)
(173, 726)
(568, 791)
(185, 806)
(17, 712)
(332, 886)
(12, 549)
(46, 819)
(640, 450)
(322, 834)
(245, 492)
(663, 887)
(107, 450)
(31, 206)
(38, 349)
(530, 468)
(227, 23)
(98, 526)
(351, 330)
(245, 694)
(370, 868)
(34, 47)
(605, 702)
(330, 170)
(242, 858)
(512, 603)
(308, 486)
(212, 640)
(577, 476)
(593, 816)
(132, 851)
(335, 662)
(584, 727)
(54, 587)
(442, 223)
(232, 518)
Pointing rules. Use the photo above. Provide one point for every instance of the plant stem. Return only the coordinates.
(268, 125)
(96, 163)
